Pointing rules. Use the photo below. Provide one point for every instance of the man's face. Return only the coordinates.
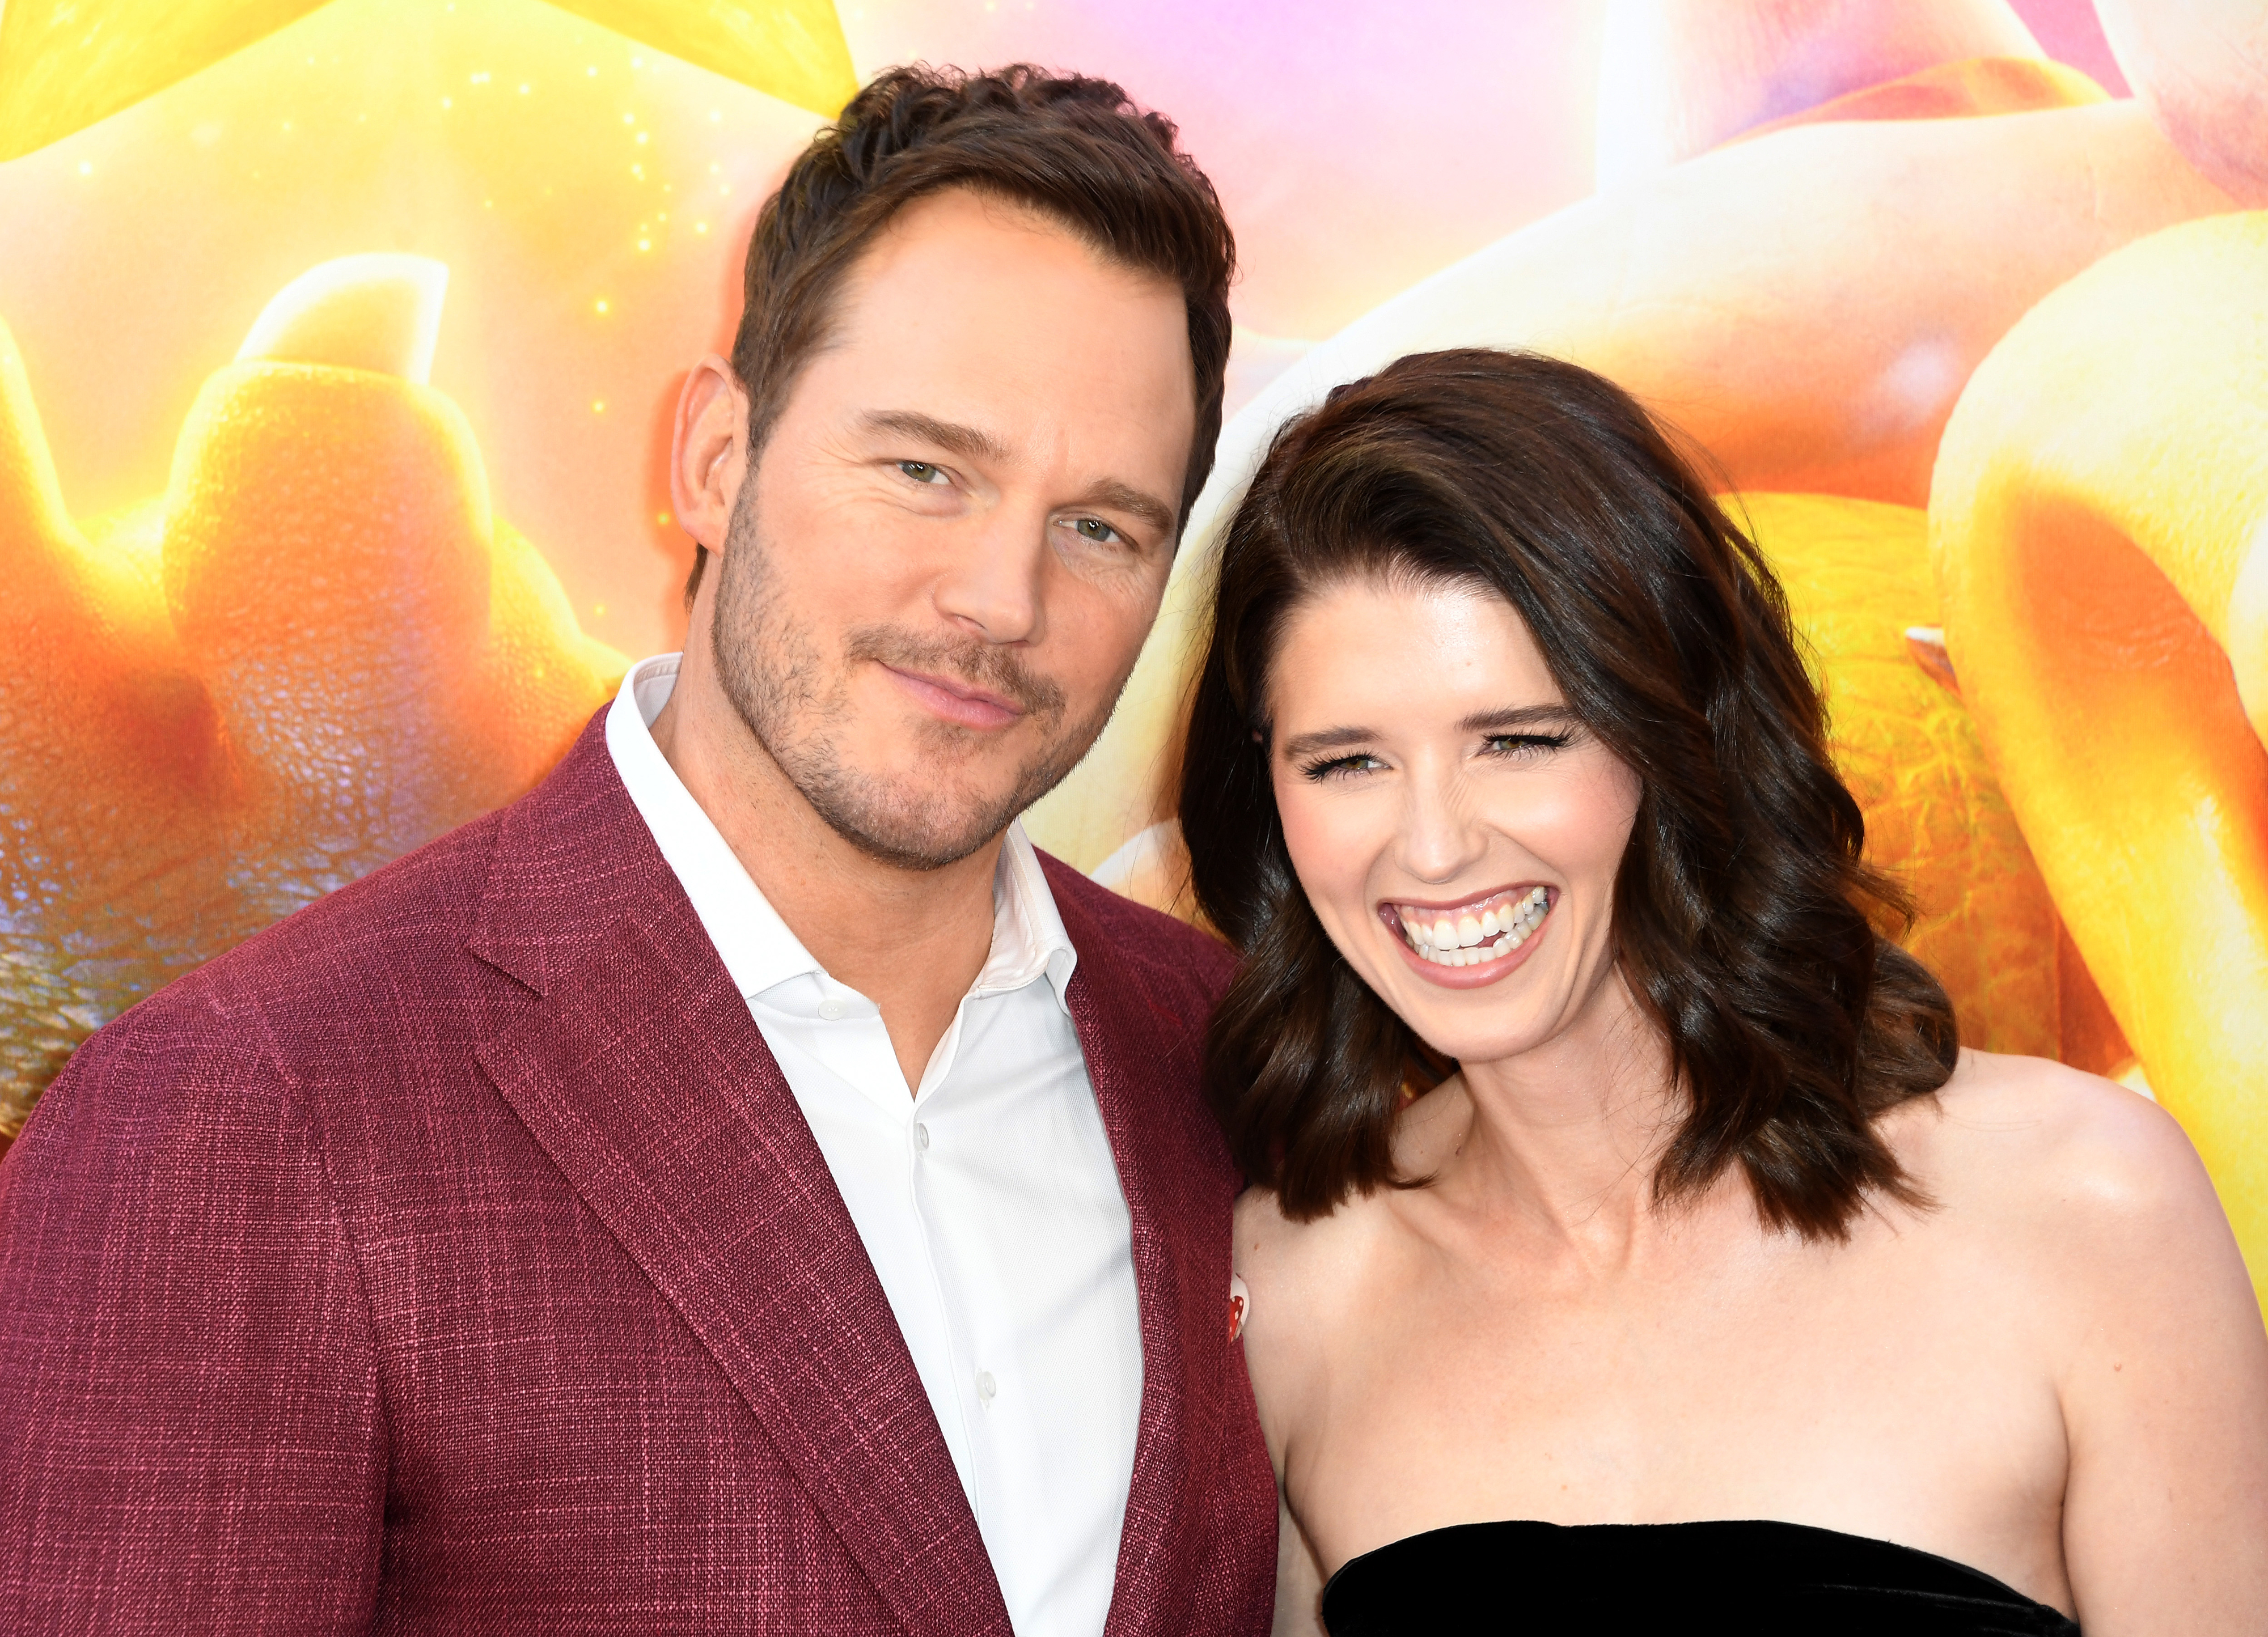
(954, 538)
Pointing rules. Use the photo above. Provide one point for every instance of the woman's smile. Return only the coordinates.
(1467, 945)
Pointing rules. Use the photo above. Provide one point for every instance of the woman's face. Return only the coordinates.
(1456, 828)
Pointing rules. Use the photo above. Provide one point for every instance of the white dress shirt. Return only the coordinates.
(987, 1197)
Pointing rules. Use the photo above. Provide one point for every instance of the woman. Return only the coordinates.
(1716, 1285)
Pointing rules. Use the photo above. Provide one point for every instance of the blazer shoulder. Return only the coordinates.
(395, 919)
(314, 1033)
(1136, 932)
(398, 937)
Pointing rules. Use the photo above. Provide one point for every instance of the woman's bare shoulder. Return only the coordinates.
(1297, 1276)
(2111, 1248)
(2085, 1173)
(1291, 1259)
(1317, 1265)
(2014, 1128)
(1305, 1278)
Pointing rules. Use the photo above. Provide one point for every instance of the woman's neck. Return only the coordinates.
(1567, 1136)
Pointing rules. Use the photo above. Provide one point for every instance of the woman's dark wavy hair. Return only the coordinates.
(1745, 919)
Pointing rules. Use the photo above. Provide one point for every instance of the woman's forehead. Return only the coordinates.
(1405, 642)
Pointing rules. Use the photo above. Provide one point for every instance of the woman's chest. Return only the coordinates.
(1883, 1400)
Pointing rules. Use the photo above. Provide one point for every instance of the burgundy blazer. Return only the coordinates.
(452, 1257)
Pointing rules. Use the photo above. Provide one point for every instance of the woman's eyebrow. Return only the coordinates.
(1518, 719)
(1326, 738)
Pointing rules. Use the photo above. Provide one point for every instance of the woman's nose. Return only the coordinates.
(1440, 833)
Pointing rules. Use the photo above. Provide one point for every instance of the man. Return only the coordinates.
(743, 1185)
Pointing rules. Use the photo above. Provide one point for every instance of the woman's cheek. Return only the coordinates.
(1577, 824)
(1331, 851)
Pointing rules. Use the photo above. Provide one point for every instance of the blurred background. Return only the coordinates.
(338, 343)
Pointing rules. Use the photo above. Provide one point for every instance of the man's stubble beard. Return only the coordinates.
(770, 668)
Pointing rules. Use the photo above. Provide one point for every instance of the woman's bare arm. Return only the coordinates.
(2165, 1388)
(1279, 1332)
(1298, 1579)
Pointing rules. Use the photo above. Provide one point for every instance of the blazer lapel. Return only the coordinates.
(1180, 1245)
(638, 1070)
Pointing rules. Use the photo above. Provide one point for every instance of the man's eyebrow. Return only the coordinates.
(955, 439)
(1116, 496)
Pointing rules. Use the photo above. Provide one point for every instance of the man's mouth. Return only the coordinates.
(958, 702)
(1466, 935)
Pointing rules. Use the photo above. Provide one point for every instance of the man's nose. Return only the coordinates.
(993, 582)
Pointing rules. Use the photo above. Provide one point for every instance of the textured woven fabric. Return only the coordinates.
(452, 1257)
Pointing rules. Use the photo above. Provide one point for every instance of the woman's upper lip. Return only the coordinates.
(1460, 901)
(960, 689)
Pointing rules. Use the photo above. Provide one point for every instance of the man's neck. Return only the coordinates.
(911, 941)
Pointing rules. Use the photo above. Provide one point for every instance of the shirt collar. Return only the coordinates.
(758, 950)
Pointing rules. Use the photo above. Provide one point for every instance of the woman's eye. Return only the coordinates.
(922, 472)
(1341, 767)
(1519, 745)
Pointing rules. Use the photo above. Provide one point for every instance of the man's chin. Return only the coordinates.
(928, 801)
(913, 824)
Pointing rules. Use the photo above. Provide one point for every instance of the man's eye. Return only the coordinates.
(922, 472)
(1096, 529)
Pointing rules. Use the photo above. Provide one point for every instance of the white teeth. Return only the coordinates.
(1467, 940)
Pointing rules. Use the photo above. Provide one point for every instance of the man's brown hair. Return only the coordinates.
(1075, 150)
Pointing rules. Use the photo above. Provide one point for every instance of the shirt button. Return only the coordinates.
(921, 1135)
(830, 1009)
(985, 1385)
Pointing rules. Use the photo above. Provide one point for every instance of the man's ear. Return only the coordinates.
(707, 450)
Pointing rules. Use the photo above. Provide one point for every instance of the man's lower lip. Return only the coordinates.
(958, 708)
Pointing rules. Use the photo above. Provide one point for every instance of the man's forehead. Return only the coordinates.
(968, 231)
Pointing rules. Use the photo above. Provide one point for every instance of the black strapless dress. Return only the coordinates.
(1604, 1580)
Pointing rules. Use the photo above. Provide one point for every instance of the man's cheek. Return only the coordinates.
(1096, 653)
